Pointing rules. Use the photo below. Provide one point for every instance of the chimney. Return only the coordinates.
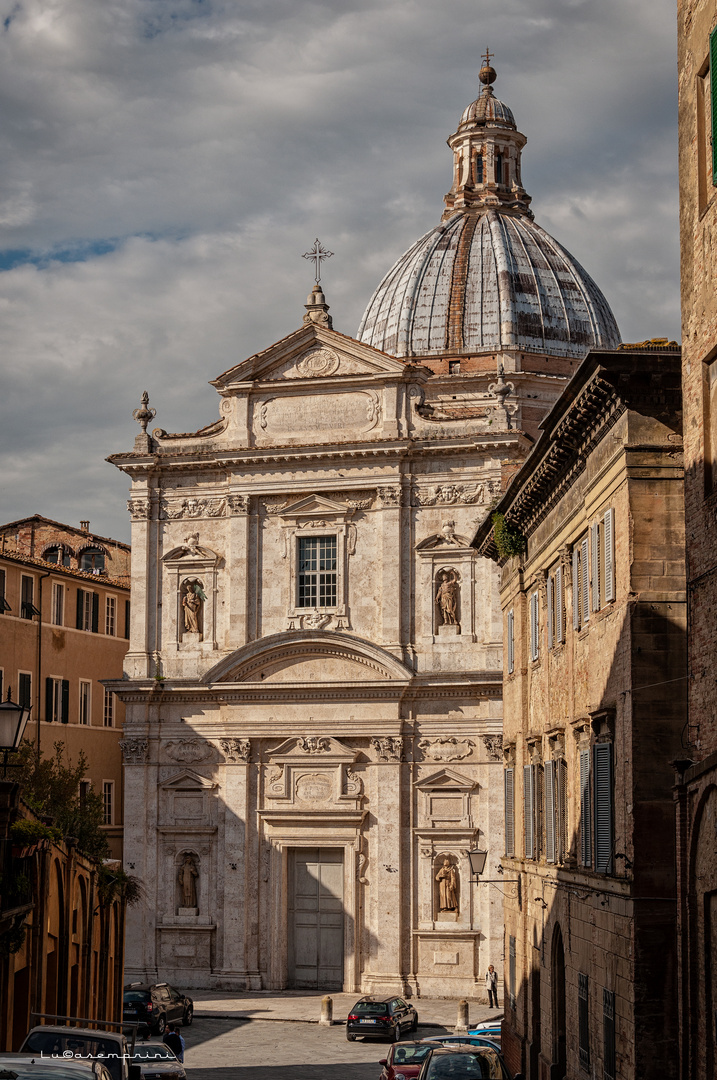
(85, 526)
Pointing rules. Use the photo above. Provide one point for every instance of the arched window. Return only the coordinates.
(499, 168)
(58, 554)
(92, 559)
(479, 168)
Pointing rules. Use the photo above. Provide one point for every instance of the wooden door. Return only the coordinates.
(316, 919)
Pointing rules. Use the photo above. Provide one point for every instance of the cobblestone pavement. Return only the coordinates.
(241, 1049)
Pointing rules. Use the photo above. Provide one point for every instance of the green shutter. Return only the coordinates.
(713, 100)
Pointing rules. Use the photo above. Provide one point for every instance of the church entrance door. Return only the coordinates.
(316, 918)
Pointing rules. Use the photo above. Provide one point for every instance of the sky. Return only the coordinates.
(164, 164)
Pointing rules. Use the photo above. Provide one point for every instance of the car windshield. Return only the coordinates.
(135, 995)
(458, 1067)
(375, 1008)
(71, 1044)
(409, 1055)
(153, 1052)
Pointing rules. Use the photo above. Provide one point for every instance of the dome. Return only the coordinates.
(486, 281)
(487, 108)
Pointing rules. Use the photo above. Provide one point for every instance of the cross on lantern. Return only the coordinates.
(488, 57)
(317, 253)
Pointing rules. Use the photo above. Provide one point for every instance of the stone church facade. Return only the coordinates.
(313, 686)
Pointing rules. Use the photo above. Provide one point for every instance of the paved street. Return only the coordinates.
(220, 1049)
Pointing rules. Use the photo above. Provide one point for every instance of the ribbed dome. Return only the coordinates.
(488, 108)
(487, 281)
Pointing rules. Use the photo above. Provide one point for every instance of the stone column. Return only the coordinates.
(238, 580)
(384, 970)
(232, 908)
(390, 560)
(141, 854)
(137, 662)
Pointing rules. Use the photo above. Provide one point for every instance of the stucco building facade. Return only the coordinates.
(696, 777)
(594, 620)
(313, 685)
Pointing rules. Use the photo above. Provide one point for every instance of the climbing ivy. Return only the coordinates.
(508, 541)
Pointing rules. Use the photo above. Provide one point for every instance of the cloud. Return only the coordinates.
(165, 163)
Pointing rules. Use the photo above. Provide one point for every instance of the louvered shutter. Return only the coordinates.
(559, 606)
(602, 780)
(528, 811)
(576, 589)
(509, 780)
(534, 626)
(585, 851)
(551, 611)
(608, 1022)
(583, 1021)
(595, 560)
(585, 581)
(713, 100)
(80, 607)
(511, 641)
(49, 688)
(95, 612)
(511, 970)
(65, 714)
(550, 811)
(609, 554)
(561, 782)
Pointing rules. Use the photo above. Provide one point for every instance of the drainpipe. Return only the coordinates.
(39, 657)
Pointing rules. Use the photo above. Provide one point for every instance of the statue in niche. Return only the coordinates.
(447, 597)
(193, 596)
(447, 879)
(187, 876)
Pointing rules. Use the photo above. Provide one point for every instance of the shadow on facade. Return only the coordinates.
(591, 957)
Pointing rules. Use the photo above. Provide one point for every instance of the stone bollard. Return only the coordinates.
(327, 1011)
(462, 1019)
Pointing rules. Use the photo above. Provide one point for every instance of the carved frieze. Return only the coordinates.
(134, 751)
(388, 748)
(354, 784)
(494, 746)
(275, 781)
(448, 749)
(139, 509)
(313, 744)
(389, 496)
(318, 362)
(192, 508)
(453, 494)
(238, 504)
(188, 750)
(236, 751)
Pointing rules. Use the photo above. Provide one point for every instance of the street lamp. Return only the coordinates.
(477, 860)
(13, 721)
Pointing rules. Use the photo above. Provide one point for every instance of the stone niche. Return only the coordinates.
(186, 799)
(444, 836)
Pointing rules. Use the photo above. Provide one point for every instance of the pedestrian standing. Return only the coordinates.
(175, 1042)
(491, 985)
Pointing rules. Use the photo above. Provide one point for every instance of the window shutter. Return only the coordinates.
(534, 626)
(608, 1027)
(585, 581)
(95, 612)
(576, 589)
(595, 558)
(48, 698)
(65, 713)
(550, 811)
(528, 811)
(126, 618)
(609, 554)
(561, 784)
(80, 607)
(713, 100)
(551, 611)
(509, 779)
(585, 852)
(511, 970)
(583, 1021)
(559, 606)
(511, 641)
(603, 806)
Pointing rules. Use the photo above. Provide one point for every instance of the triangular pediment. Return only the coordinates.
(313, 748)
(187, 780)
(315, 505)
(309, 353)
(446, 780)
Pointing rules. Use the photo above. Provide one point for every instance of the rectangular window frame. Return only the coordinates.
(317, 587)
(534, 625)
(57, 609)
(528, 812)
(603, 798)
(108, 712)
(108, 802)
(584, 1021)
(608, 1028)
(608, 552)
(24, 688)
(27, 596)
(551, 811)
(509, 802)
(84, 703)
(57, 700)
(510, 634)
(595, 567)
(110, 616)
(585, 808)
(88, 609)
(4, 606)
(511, 971)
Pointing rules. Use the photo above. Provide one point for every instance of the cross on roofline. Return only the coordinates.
(317, 253)
(488, 57)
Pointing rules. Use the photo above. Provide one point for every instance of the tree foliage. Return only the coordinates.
(51, 788)
(508, 540)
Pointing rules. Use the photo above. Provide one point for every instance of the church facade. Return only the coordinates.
(313, 687)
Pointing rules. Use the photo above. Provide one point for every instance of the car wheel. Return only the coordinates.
(161, 1025)
(350, 1036)
(188, 1016)
(414, 1025)
(396, 1033)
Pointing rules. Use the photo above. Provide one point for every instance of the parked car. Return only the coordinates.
(464, 1040)
(156, 1005)
(403, 1061)
(381, 1016)
(57, 1041)
(461, 1061)
(34, 1067)
(489, 1029)
(158, 1062)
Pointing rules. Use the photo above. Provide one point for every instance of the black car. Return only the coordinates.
(381, 1016)
(464, 1062)
(156, 1006)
